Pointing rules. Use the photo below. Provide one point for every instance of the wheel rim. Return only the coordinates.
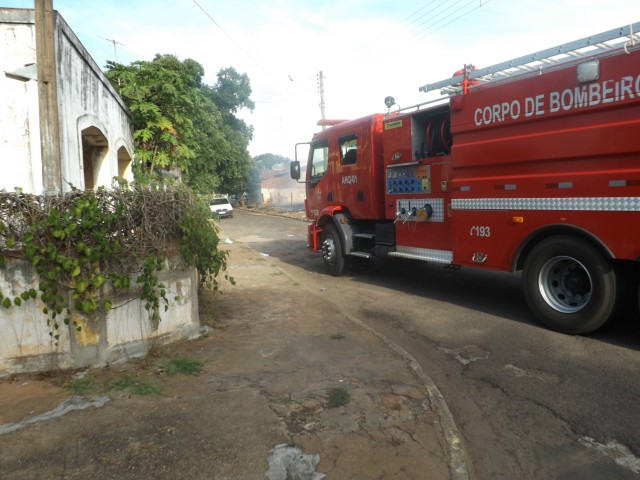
(329, 250)
(565, 284)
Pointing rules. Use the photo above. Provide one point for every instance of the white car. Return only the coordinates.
(220, 207)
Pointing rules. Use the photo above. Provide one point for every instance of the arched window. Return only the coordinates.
(94, 150)
(124, 164)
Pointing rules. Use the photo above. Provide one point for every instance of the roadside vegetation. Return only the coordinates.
(91, 249)
(338, 397)
(182, 123)
(127, 383)
(182, 365)
(133, 384)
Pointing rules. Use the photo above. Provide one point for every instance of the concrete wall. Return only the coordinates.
(106, 337)
(95, 126)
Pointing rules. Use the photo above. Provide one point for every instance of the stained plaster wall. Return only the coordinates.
(106, 337)
(19, 119)
(85, 99)
(89, 101)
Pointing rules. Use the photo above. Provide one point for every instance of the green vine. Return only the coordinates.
(152, 292)
(86, 247)
(198, 243)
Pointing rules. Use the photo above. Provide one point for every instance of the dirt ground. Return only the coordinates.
(277, 368)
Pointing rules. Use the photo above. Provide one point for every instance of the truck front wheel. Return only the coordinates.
(332, 251)
(569, 285)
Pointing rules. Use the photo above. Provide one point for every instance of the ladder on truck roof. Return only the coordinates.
(617, 38)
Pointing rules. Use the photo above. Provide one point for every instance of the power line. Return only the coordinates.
(278, 103)
(433, 10)
(433, 16)
(449, 15)
(435, 23)
(234, 41)
(397, 28)
(439, 12)
(390, 38)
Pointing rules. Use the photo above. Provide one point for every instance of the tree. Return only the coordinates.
(224, 166)
(161, 98)
(267, 161)
(181, 122)
(232, 91)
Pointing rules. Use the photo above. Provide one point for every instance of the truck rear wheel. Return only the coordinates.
(332, 250)
(569, 285)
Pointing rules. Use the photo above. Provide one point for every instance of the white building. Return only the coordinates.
(278, 189)
(61, 125)
(73, 111)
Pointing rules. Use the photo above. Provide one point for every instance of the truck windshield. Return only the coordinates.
(319, 161)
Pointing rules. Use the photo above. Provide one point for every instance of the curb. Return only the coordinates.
(457, 455)
(277, 213)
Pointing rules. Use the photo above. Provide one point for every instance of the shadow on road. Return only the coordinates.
(494, 293)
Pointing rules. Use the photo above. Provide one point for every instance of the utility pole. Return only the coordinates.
(321, 88)
(48, 96)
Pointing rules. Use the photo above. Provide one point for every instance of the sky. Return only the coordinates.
(365, 49)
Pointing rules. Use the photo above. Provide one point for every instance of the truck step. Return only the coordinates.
(360, 254)
(424, 254)
(368, 236)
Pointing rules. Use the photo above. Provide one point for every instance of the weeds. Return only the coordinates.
(396, 442)
(182, 365)
(134, 386)
(338, 397)
(82, 386)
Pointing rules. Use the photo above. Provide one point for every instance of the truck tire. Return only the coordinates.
(332, 250)
(569, 285)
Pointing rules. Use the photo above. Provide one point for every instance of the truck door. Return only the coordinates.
(350, 175)
(317, 168)
(357, 168)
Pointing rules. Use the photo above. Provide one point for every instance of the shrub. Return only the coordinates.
(87, 246)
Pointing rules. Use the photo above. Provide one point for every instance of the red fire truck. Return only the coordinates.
(532, 164)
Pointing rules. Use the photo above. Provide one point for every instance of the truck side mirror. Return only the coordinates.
(294, 166)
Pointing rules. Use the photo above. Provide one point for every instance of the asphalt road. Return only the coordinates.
(530, 403)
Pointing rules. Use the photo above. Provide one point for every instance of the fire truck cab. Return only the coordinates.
(531, 165)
